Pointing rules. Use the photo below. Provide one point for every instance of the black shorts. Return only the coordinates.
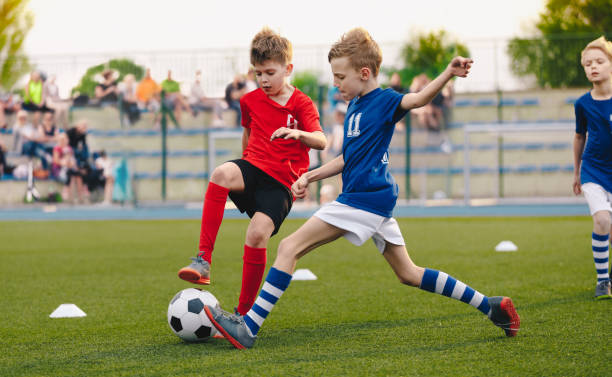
(262, 193)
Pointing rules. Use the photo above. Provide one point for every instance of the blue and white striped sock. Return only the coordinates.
(601, 255)
(274, 286)
(446, 285)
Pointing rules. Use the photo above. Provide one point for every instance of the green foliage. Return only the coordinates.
(123, 275)
(15, 23)
(88, 82)
(429, 53)
(565, 28)
(307, 82)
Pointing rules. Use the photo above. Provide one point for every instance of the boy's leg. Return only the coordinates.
(242, 331)
(500, 310)
(225, 178)
(600, 241)
(258, 234)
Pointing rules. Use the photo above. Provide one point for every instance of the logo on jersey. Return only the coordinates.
(385, 159)
(353, 125)
(292, 122)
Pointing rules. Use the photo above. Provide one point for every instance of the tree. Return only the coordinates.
(565, 28)
(429, 53)
(15, 23)
(307, 82)
(88, 82)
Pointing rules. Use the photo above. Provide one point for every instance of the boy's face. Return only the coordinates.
(597, 65)
(347, 79)
(271, 76)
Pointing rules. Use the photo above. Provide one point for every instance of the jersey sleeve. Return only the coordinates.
(581, 120)
(245, 117)
(308, 115)
(395, 112)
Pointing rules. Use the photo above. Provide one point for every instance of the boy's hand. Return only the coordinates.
(460, 66)
(298, 188)
(286, 133)
(576, 187)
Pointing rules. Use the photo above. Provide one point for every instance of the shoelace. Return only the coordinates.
(230, 316)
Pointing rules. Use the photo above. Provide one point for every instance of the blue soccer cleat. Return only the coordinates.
(232, 327)
(198, 272)
(602, 290)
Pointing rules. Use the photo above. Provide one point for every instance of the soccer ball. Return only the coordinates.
(186, 315)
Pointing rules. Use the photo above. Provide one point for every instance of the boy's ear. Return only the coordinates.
(289, 70)
(365, 73)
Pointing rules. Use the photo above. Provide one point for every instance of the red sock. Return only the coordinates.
(252, 274)
(212, 214)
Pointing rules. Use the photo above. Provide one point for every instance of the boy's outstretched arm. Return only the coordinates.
(329, 169)
(314, 140)
(459, 66)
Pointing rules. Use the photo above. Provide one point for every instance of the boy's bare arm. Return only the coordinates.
(579, 142)
(329, 169)
(459, 66)
(314, 140)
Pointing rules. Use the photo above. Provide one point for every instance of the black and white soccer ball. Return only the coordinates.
(186, 315)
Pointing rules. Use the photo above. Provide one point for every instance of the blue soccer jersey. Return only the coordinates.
(368, 128)
(594, 118)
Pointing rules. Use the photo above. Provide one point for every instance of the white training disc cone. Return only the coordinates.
(506, 246)
(67, 311)
(303, 274)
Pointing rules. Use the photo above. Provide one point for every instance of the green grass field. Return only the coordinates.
(355, 320)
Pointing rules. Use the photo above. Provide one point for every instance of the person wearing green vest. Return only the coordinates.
(33, 100)
(174, 98)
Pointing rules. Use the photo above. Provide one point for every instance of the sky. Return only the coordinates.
(85, 26)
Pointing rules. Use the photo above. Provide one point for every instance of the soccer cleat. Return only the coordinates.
(198, 272)
(504, 315)
(603, 290)
(232, 327)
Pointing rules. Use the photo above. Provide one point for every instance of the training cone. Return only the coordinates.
(67, 311)
(303, 274)
(506, 246)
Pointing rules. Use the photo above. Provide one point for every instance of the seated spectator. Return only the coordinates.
(147, 93)
(8, 106)
(334, 141)
(424, 115)
(129, 100)
(34, 100)
(104, 166)
(200, 102)
(27, 139)
(77, 139)
(233, 92)
(48, 133)
(106, 90)
(174, 98)
(65, 169)
(395, 83)
(53, 101)
(5, 168)
(250, 82)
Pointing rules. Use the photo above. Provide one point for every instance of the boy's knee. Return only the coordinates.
(602, 221)
(286, 249)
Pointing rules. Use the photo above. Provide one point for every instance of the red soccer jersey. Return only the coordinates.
(284, 160)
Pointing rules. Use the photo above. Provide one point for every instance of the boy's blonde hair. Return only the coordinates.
(600, 43)
(269, 45)
(360, 48)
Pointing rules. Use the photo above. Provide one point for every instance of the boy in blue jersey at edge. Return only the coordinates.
(364, 208)
(593, 164)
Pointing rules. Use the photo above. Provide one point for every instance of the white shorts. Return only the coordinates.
(361, 225)
(598, 198)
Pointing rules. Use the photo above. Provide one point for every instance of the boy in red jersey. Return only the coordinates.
(281, 124)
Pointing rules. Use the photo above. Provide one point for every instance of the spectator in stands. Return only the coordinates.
(233, 92)
(77, 139)
(147, 93)
(26, 139)
(250, 82)
(129, 100)
(34, 100)
(104, 165)
(5, 167)
(395, 83)
(54, 102)
(173, 97)
(48, 134)
(106, 90)
(335, 139)
(333, 98)
(8, 106)
(200, 102)
(424, 115)
(65, 169)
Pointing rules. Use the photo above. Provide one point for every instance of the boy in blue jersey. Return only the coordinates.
(593, 164)
(364, 208)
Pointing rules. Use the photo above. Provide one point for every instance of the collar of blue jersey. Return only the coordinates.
(367, 95)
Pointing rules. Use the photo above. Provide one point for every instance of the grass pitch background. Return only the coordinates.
(356, 319)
